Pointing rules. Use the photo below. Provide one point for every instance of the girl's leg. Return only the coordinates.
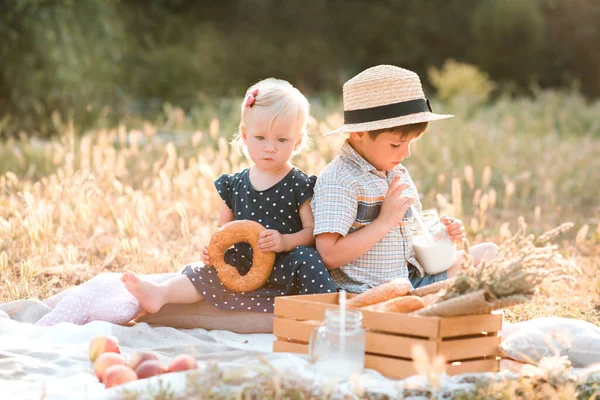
(480, 252)
(153, 296)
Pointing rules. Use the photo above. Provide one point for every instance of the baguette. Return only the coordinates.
(396, 288)
(433, 288)
(433, 297)
(404, 304)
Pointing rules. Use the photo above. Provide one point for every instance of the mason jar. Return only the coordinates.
(338, 353)
(433, 248)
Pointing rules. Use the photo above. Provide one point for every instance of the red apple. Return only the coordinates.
(182, 362)
(103, 344)
(106, 360)
(149, 368)
(117, 375)
(139, 357)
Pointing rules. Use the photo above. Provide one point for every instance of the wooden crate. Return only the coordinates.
(468, 343)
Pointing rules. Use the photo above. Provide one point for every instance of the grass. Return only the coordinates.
(554, 380)
(141, 197)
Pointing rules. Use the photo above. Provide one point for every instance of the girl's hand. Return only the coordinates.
(271, 240)
(204, 255)
(455, 228)
(394, 204)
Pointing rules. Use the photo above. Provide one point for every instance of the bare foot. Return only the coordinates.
(147, 293)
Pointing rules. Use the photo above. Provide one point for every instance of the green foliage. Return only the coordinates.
(508, 39)
(102, 60)
(573, 32)
(461, 80)
(590, 387)
(59, 56)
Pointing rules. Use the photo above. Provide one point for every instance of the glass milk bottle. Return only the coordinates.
(433, 248)
(339, 353)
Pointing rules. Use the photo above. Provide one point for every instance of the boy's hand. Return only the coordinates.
(204, 255)
(455, 228)
(271, 240)
(395, 205)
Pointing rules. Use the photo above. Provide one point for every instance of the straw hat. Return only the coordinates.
(382, 97)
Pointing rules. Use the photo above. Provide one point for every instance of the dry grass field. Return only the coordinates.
(138, 198)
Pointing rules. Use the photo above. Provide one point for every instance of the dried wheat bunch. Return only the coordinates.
(523, 262)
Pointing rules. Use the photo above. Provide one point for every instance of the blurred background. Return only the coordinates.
(115, 117)
(91, 60)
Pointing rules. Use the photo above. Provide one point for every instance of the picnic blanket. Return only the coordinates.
(53, 360)
(50, 361)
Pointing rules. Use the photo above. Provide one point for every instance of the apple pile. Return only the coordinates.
(112, 369)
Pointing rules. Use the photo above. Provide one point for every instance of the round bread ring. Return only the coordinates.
(262, 262)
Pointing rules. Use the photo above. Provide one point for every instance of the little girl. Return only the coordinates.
(274, 193)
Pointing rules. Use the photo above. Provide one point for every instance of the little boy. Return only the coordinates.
(362, 197)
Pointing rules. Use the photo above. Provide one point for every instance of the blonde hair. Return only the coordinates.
(281, 98)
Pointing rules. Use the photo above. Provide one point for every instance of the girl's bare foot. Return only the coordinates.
(148, 293)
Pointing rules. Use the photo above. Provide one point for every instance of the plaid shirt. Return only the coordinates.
(348, 196)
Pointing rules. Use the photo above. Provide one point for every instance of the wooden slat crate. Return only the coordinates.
(468, 344)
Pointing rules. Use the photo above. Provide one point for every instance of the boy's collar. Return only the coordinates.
(349, 152)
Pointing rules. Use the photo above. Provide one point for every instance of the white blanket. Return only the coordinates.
(531, 341)
(36, 359)
(51, 362)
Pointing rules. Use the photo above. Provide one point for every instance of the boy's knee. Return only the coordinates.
(485, 251)
(490, 248)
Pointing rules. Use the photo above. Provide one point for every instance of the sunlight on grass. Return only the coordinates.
(142, 197)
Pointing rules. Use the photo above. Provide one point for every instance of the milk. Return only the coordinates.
(421, 225)
(341, 368)
(434, 257)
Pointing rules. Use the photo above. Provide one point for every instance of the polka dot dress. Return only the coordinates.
(300, 271)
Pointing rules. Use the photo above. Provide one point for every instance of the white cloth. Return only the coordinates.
(530, 341)
(51, 362)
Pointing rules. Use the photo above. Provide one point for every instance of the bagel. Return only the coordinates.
(262, 262)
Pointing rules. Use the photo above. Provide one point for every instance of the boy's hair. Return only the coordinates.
(282, 99)
(410, 131)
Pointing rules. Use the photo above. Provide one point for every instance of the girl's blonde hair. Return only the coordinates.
(281, 98)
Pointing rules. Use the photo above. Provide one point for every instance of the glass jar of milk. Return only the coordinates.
(433, 248)
(339, 351)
